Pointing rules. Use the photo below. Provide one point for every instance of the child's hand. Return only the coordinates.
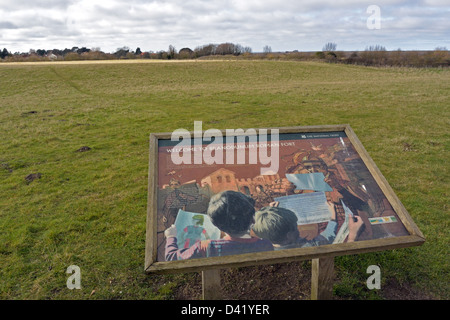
(354, 224)
(171, 231)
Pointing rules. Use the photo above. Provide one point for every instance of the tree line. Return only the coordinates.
(76, 53)
(375, 55)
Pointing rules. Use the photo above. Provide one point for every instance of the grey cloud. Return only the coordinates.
(7, 25)
(303, 25)
(15, 5)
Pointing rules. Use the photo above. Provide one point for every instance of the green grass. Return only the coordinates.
(89, 208)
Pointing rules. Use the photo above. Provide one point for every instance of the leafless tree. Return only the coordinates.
(330, 46)
(267, 49)
(171, 52)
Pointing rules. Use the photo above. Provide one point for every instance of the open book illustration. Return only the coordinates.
(192, 227)
(309, 207)
(309, 181)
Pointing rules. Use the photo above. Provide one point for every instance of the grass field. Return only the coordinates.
(89, 208)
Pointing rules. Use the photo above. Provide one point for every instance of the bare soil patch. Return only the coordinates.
(286, 281)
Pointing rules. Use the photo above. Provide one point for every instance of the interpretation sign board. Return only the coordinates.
(253, 196)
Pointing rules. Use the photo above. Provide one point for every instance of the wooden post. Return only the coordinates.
(211, 289)
(322, 278)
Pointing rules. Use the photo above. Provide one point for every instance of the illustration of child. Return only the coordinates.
(194, 232)
(231, 212)
(279, 225)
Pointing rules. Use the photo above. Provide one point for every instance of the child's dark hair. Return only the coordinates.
(232, 212)
(274, 224)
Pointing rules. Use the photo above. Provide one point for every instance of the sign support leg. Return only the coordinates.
(211, 289)
(322, 278)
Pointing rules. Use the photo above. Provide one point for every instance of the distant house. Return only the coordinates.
(52, 56)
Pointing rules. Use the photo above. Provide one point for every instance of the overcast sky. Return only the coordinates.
(283, 25)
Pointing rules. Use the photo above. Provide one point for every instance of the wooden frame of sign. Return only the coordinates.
(388, 224)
